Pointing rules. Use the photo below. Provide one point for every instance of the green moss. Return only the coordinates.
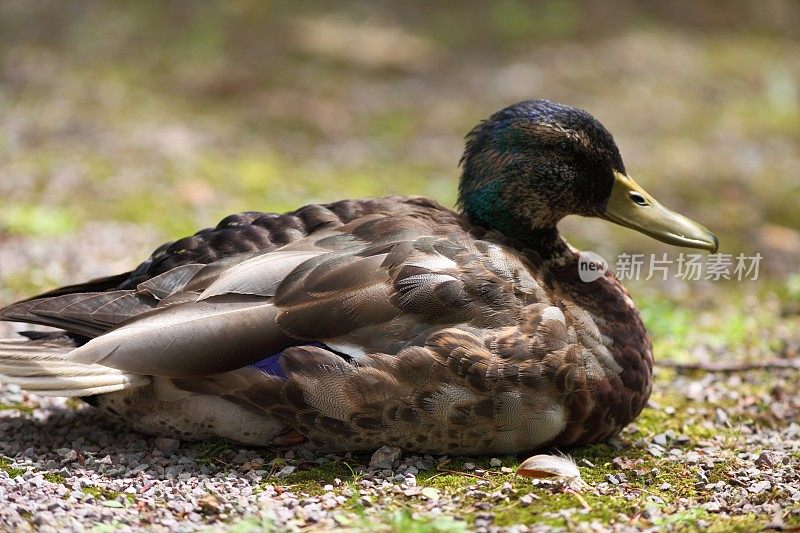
(53, 477)
(5, 465)
(101, 493)
(312, 480)
(405, 520)
(27, 409)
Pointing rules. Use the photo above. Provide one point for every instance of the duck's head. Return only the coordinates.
(531, 164)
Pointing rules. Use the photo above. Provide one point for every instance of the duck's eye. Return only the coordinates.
(564, 148)
(638, 199)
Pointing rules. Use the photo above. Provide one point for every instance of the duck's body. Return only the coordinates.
(352, 325)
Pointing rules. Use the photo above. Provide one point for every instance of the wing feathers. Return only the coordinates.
(191, 339)
(171, 281)
(41, 366)
(258, 276)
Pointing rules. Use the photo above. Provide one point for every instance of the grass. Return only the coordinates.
(212, 452)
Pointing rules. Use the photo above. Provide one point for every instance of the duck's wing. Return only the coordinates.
(92, 313)
(373, 285)
(376, 284)
(89, 309)
(254, 232)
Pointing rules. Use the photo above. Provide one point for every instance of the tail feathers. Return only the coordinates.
(41, 366)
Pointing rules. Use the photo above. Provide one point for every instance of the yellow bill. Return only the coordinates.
(632, 207)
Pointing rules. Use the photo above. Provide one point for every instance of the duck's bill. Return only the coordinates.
(632, 207)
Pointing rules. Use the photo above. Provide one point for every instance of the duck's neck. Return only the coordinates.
(486, 207)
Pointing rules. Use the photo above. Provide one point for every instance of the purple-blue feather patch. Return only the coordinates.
(272, 364)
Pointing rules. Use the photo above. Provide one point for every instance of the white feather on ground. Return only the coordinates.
(546, 466)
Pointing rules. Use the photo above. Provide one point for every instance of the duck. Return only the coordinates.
(393, 321)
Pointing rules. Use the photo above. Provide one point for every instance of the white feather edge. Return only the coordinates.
(543, 465)
(50, 374)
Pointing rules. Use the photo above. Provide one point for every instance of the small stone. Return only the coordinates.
(111, 503)
(286, 471)
(384, 457)
(525, 500)
(655, 450)
(495, 462)
(328, 503)
(70, 456)
(174, 470)
(469, 466)
(721, 416)
(768, 459)
(209, 504)
(166, 444)
(692, 457)
(665, 486)
(660, 439)
(430, 493)
(759, 487)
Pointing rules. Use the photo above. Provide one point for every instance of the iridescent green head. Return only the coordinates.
(531, 164)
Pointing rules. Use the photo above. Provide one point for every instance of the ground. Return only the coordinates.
(125, 127)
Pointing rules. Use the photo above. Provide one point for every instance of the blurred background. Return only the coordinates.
(123, 125)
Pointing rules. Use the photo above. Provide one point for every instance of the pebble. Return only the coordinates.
(768, 459)
(286, 471)
(166, 444)
(384, 457)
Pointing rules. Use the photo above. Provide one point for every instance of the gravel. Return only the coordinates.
(66, 468)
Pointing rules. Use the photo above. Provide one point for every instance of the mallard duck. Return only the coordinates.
(389, 321)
